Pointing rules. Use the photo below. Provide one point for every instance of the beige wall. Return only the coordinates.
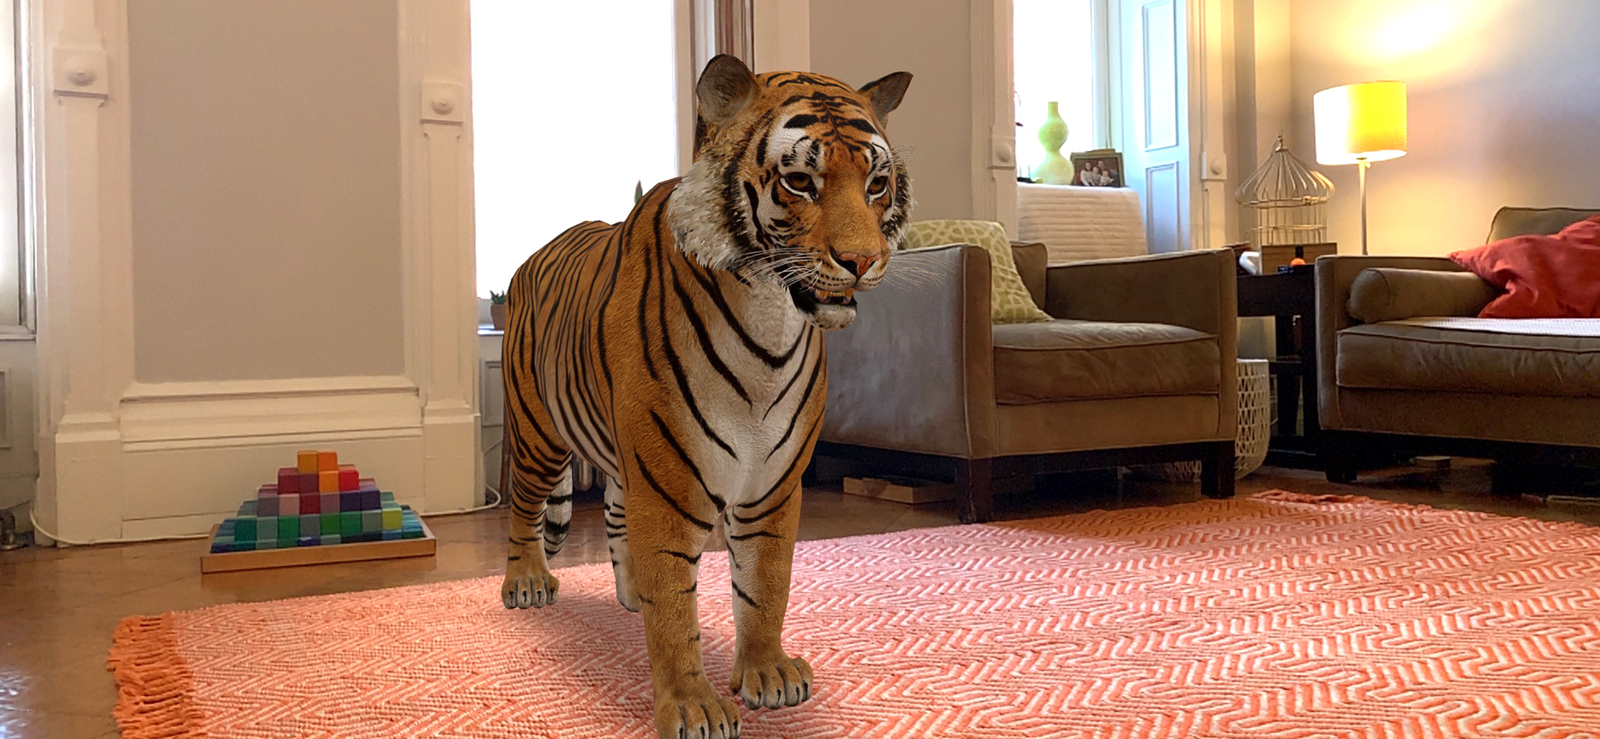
(265, 189)
(1503, 109)
(861, 40)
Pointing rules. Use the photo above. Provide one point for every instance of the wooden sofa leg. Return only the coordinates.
(975, 490)
(1338, 457)
(1216, 472)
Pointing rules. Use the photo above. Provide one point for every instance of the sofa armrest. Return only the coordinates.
(915, 371)
(1194, 289)
(1335, 276)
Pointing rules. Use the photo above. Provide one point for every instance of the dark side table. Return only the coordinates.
(1290, 297)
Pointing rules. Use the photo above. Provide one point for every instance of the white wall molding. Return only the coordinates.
(994, 130)
(119, 458)
(440, 265)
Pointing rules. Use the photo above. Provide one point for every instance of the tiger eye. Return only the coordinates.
(799, 181)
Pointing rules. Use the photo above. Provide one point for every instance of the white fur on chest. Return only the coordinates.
(757, 429)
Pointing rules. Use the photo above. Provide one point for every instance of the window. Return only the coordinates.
(573, 103)
(16, 306)
(1059, 55)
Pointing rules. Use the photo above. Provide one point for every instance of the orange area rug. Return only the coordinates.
(1282, 615)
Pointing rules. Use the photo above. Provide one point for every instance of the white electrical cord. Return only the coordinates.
(135, 540)
(40, 530)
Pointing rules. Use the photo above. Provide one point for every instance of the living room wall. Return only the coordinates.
(1502, 105)
(859, 42)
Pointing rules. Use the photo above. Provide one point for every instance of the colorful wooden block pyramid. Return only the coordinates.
(317, 502)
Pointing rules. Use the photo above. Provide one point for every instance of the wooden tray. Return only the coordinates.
(262, 559)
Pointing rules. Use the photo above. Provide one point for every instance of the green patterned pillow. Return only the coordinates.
(1009, 298)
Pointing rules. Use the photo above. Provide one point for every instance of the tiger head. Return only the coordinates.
(794, 184)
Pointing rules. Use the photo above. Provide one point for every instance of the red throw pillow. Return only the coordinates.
(1544, 276)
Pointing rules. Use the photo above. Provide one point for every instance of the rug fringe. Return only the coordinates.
(154, 684)
(1292, 497)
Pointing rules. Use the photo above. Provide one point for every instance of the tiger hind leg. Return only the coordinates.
(541, 490)
(617, 541)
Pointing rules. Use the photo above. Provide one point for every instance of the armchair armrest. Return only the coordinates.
(1335, 275)
(915, 372)
(1194, 289)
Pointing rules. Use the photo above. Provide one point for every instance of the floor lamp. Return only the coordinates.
(1360, 124)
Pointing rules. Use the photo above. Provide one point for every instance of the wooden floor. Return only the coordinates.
(58, 606)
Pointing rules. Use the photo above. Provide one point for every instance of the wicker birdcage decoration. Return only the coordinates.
(1284, 202)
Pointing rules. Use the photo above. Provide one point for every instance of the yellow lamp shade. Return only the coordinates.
(1361, 121)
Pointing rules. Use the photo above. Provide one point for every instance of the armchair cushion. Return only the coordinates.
(1009, 297)
(1079, 360)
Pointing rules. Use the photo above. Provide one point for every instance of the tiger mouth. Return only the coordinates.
(810, 299)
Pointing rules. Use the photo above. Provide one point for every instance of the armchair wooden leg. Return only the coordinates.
(975, 490)
(1216, 472)
(1338, 456)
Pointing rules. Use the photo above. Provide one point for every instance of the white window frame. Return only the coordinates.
(16, 257)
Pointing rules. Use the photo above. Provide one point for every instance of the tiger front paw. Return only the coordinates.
(772, 683)
(696, 712)
(527, 586)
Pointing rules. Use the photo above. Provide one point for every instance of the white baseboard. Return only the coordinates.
(181, 457)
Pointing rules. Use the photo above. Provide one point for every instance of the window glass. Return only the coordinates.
(573, 103)
(1054, 61)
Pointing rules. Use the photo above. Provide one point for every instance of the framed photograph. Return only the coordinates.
(1098, 168)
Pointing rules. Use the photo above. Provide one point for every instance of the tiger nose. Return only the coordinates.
(857, 263)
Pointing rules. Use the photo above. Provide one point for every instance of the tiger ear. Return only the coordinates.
(886, 93)
(725, 89)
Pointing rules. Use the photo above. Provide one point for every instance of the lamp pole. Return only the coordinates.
(1361, 169)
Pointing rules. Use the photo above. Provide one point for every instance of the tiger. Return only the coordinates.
(680, 352)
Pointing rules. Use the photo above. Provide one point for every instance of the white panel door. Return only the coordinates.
(1152, 53)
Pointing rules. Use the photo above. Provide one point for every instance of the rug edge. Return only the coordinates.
(155, 687)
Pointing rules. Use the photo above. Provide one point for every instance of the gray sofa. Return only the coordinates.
(1402, 374)
(1138, 367)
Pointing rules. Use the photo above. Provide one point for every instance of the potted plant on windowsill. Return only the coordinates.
(497, 310)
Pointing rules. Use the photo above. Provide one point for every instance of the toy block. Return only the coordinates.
(308, 483)
(266, 544)
(307, 541)
(330, 502)
(268, 507)
(310, 526)
(327, 461)
(328, 481)
(288, 505)
(244, 546)
(371, 500)
(329, 524)
(391, 535)
(331, 539)
(267, 491)
(267, 528)
(307, 459)
(392, 519)
(288, 528)
(310, 504)
(387, 498)
(371, 521)
(366, 483)
(349, 524)
(349, 478)
(288, 480)
(247, 508)
(350, 501)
